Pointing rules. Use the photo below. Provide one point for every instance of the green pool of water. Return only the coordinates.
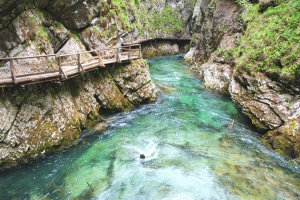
(190, 153)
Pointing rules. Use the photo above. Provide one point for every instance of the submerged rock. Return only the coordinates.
(142, 156)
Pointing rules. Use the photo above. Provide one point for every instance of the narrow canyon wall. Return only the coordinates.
(43, 118)
(43, 27)
(272, 104)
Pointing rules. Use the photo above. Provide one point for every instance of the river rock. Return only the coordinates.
(135, 84)
(216, 76)
(189, 55)
(286, 139)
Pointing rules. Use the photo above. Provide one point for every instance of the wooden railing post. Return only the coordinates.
(140, 49)
(118, 55)
(13, 72)
(80, 67)
(129, 51)
(100, 61)
(61, 72)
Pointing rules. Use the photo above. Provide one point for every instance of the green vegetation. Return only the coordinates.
(145, 19)
(168, 19)
(271, 40)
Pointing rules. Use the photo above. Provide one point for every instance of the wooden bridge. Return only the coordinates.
(58, 67)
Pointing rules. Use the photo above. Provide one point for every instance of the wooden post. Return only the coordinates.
(80, 68)
(117, 55)
(129, 52)
(13, 72)
(140, 49)
(61, 72)
(100, 61)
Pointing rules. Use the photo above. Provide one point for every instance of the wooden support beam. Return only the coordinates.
(80, 68)
(12, 71)
(129, 51)
(118, 55)
(61, 71)
(140, 50)
(100, 61)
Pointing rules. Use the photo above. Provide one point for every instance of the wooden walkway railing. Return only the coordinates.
(58, 67)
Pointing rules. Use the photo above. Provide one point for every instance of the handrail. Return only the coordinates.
(62, 69)
(64, 55)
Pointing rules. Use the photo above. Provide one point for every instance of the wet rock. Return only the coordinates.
(189, 55)
(142, 156)
(101, 126)
(217, 72)
(135, 83)
(216, 76)
(286, 139)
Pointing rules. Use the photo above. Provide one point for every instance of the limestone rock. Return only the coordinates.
(266, 102)
(136, 83)
(161, 48)
(216, 77)
(286, 139)
(211, 22)
(43, 118)
(189, 55)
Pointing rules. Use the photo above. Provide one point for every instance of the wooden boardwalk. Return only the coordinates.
(58, 67)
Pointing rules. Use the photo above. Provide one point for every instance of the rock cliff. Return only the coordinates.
(42, 118)
(222, 42)
(42, 26)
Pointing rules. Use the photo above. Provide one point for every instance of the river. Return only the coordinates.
(190, 153)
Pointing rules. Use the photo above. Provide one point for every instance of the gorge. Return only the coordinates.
(245, 52)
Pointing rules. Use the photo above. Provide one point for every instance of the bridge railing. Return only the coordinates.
(16, 69)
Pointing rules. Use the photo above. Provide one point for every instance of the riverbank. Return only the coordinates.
(44, 118)
(249, 51)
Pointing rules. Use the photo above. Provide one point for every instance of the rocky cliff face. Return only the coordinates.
(42, 26)
(272, 105)
(216, 25)
(42, 118)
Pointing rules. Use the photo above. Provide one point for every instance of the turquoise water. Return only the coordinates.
(190, 153)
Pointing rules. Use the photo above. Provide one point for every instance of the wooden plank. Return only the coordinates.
(38, 73)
